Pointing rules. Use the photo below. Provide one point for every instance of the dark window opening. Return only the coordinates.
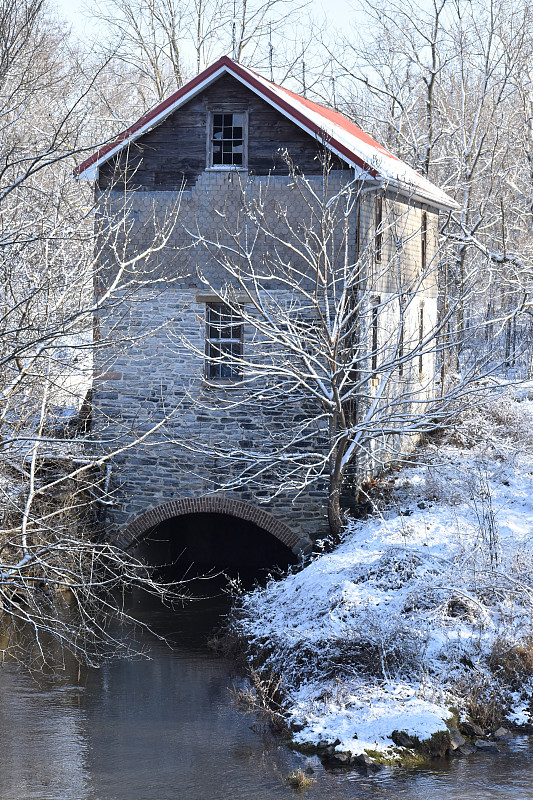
(227, 140)
(401, 341)
(374, 327)
(421, 339)
(358, 230)
(423, 240)
(379, 226)
(223, 342)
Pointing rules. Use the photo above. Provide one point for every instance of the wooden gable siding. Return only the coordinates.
(175, 151)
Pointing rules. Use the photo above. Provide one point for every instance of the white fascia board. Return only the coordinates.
(440, 200)
(350, 162)
(89, 174)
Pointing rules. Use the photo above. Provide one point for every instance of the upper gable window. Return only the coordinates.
(227, 139)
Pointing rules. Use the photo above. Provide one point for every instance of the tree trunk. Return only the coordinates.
(335, 515)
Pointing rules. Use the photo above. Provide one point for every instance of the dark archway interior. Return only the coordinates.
(194, 544)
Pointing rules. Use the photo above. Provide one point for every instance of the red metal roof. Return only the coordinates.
(337, 132)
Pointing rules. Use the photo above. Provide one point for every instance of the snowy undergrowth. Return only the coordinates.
(424, 606)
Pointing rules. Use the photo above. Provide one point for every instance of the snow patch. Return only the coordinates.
(399, 622)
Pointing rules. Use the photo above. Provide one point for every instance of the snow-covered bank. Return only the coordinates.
(426, 606)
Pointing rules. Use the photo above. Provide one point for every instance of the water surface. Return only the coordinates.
(167, 728)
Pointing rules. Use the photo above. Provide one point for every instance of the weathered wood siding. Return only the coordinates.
(174, 153)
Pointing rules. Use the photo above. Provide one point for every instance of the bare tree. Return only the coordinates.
(58, 576)
(58, 573)
(439, 83)
(162, 43)
(337, 365)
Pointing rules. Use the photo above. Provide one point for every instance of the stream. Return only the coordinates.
(167, 728)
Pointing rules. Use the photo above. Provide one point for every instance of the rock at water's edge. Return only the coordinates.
(456, 740)
(501, 733)
(468, 728)
(486, 747)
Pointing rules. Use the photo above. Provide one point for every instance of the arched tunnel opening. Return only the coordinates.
(198, 544)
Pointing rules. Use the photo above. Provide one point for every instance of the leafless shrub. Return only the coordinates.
(485, 702)
(512, 662)
(394, 569)
(481, 498)
(438, 487)
(377, 650)
(496, 423)
(461, 607)
(377, 492)
(263, 695)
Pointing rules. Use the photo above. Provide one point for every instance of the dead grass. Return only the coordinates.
(299, 780)
(485, 701)
(512, 663)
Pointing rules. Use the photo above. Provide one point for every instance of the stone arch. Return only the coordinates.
(212, 504)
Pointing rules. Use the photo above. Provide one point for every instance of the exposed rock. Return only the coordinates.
(339, 759)
(402, 739)
(468, 728)
(486, 747)
(456, 740)
(365, 762)
(465, 750)
(296, 727)
(501, 733)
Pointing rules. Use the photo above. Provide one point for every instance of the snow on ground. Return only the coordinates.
(426, 605)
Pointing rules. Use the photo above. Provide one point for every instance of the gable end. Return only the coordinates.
(175, 152)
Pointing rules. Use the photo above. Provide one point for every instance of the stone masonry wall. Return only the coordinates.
(151, 380)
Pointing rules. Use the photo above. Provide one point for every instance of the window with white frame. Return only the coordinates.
(227, 139)
(223, 345)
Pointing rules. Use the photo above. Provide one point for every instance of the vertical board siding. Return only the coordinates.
(174, 153)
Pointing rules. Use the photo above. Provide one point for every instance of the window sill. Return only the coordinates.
(226, 168)
(225, 383)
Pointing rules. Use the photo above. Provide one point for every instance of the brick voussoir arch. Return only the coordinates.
(142, 524)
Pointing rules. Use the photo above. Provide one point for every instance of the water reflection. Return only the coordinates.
(166, 728)
(44, 743)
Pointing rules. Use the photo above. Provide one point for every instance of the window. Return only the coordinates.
(374, 335)
(423, 240)
(421, 338)
(358, 229)
(227, 139)
(223, 346)
(401, 338)
(378, 244)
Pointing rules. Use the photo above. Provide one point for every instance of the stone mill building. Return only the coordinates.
(209, 186)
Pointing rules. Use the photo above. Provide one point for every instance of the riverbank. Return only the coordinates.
(422, 617)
